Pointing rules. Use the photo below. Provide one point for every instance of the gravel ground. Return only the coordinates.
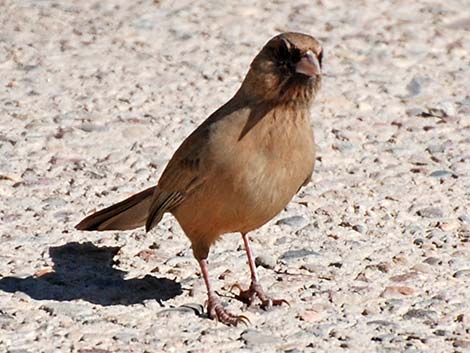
(373, 255)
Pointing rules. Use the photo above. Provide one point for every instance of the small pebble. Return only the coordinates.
(440, 332)
(441, 174)
(459, 343)
(465, 218)
(384, 323)
(311, 316)
(295, 254)
(432, 261)
(462, 274)
(383, 338)
(397, 290)
(394, 304)
(420, 314)
(254, 338)
(404, 277)
(431, 212)
(360, 228)
(92, 127)
(266, 261)
(449, 226)
(421, 267)
(415, 112)
(295, 222)
(414, 86)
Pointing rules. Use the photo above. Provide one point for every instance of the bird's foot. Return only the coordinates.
(217, 312)
(256, 291)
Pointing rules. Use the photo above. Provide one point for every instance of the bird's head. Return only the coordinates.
(288, 69)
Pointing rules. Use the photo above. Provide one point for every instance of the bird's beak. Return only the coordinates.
(308, 65)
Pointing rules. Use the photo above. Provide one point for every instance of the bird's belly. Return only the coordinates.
(244, 199)
(266, 193)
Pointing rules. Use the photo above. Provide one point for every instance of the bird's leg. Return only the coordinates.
(255, 290)
(214, 307)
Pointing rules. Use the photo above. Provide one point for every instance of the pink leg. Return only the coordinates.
(248, 296)
(214, 307)
(251, 260)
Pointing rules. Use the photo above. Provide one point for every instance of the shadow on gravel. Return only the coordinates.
(85, 271)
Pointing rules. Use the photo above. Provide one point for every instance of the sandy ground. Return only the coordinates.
(373, 255)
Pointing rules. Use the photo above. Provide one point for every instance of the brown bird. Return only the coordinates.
(240, 167)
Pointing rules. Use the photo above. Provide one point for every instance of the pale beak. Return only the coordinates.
(308, 65)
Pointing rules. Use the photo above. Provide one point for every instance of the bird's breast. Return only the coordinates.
(263, 170)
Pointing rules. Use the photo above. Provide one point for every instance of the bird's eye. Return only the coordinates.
(295, 56)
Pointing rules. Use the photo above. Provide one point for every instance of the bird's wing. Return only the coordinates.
(184, 173)
(189, 166)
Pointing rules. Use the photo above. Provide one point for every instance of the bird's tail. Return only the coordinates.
(128, 214)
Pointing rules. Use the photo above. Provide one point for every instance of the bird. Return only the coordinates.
(240, 167)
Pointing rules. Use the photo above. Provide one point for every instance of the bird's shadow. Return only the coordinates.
(85, 271)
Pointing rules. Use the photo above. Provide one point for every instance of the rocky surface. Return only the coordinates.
(372, 255)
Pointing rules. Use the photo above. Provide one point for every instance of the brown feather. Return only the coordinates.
(128, 214)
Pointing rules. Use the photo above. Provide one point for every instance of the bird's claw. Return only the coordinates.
(256, 291)
(217, 312)
(273, 302)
